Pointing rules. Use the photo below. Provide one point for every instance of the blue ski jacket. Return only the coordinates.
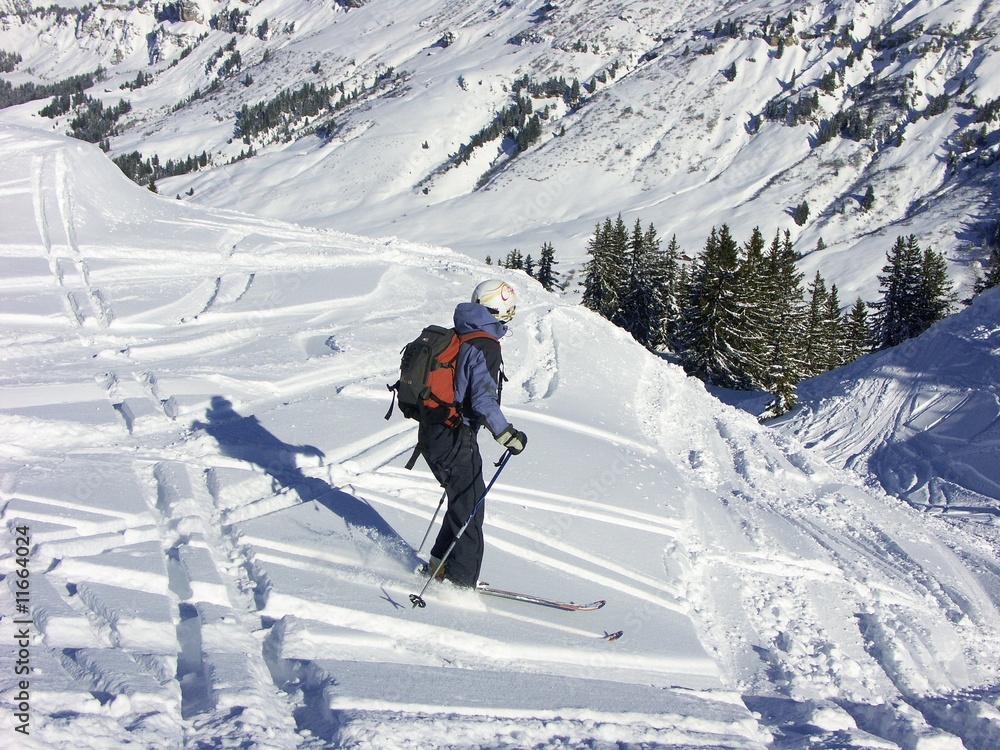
(476, 375)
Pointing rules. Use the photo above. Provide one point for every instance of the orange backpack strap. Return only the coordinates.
(463, 337)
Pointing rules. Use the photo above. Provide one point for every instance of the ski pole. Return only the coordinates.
(418, 599)
(427, 533)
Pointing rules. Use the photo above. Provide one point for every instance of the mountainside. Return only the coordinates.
(684, 114)
(220, 536)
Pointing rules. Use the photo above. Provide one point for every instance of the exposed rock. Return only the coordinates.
(181, 10)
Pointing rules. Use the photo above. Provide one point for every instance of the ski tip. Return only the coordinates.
(614, 636)
(599, 603)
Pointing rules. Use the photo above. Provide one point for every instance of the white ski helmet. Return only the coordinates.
(498, 297)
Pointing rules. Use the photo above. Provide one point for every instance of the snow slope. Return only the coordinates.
(222, 534)
(922, 418)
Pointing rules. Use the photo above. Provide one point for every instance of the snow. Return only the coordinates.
(667, 140)
(921, 419)
(223, 536)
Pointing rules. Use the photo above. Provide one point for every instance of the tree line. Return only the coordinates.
(309, 100)
(11, 95)
(740, 316)
(93, 121)
(518, 122)
(9, 61)
(148, 171)
(543, 270)
(306, 101)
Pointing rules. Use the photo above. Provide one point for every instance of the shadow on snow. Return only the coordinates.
(246, 439)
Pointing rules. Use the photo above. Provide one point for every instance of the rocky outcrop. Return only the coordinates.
(180, 10)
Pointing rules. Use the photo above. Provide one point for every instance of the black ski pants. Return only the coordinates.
(453, 457)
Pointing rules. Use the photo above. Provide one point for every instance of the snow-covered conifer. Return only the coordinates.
(711, 321)
(856, 331)
(547, 276)
(604, 273)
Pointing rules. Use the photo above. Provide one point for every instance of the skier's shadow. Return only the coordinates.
(245, 438)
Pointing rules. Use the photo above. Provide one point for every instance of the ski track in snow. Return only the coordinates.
(223, 533)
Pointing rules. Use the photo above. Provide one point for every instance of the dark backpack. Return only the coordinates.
(425, 390)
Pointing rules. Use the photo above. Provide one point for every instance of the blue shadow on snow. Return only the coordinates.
(246, 439)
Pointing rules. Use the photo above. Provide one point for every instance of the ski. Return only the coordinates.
(485, 588)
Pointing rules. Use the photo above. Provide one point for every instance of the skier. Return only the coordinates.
(453, 453)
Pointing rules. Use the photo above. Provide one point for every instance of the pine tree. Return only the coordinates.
(801, 213)
(897, 284)
(547, 275)
(529, 265)
(934, 292)
(785, 323)
(619, 251)
(690, 334)
(574, 92)
(915, 293)
(513, 261)
(605, 271)
(649, 297)
(857, 332)
(598, 287)
(633, 312)
(644, 301)
(751, 341)
(869, 200)
(666, 268)
(833, 324)
(817, 346)
(711, 318)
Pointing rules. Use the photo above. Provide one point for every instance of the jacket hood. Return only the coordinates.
(471, 316)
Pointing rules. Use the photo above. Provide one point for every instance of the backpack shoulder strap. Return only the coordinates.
(488, 345)
(477, 335)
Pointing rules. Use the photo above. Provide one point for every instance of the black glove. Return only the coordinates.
(513, 440)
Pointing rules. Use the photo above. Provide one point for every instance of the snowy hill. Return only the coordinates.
(921, 418)
(221, 535)
(690, 115)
